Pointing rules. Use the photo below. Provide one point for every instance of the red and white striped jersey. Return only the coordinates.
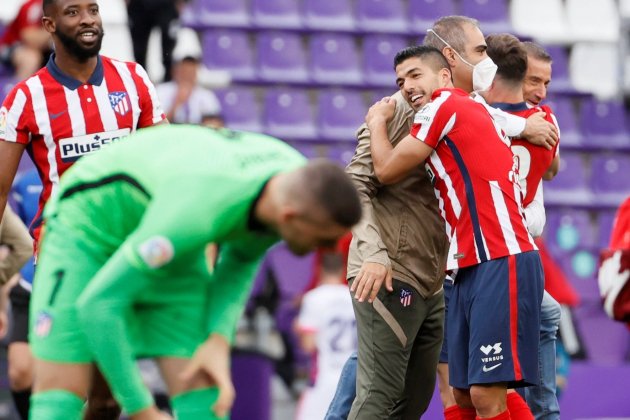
(533, 161)
(474, 174)
(61, 119)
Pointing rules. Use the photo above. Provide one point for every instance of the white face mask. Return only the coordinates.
(483, 72)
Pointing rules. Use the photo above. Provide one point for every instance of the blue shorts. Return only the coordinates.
(494, 322)
(448, 289)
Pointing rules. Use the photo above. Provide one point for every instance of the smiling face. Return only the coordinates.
(76, 27)
(537, 80)
(417, 80)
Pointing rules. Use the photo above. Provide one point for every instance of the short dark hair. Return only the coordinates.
(537, 51)
(333, 190)
(431, 56)
(46, 6)
(451, 30)
(332, 263)
(508, 54)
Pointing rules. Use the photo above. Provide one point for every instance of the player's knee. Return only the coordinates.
(488, 400)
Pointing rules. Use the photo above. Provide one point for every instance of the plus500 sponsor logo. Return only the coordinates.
(73, 148)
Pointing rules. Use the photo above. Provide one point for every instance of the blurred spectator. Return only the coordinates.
(614, 271)
(184, 101)
(144, 15)
(327, 329)
(25, 45)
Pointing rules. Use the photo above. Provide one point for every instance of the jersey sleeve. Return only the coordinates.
(309, 316)
(151, 111)
(434, 121)
(233, 279)
(175, 225)
(16, 117)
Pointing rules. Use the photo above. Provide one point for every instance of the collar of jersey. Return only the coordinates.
(507, 107)
(71, 83)
(456, 91)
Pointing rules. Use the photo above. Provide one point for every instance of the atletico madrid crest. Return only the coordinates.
(405, 297)
(120, 102)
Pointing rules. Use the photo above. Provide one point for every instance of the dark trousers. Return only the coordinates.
(144, 15)
(400, 337)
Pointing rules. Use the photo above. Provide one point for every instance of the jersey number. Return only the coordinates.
(524, 164)
(343, 334)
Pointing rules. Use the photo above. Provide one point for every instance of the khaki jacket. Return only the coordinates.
(401, 225)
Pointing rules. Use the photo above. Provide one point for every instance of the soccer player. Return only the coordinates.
(137, 283)
(78, 103)
(494, 308)
(327, 329)
(535, 163)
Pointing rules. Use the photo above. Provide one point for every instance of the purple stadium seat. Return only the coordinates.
(378, 57)
(229, 50)
(492, 14)
(340, 114)
(605, 221)
(276, 14)
(288, 114)
(329, 15)
(382, 16)
(609, 180)
(252, 380)
(311, 150)
(604, 124)
(342, 153)
(422, 13)
(560, 81)
(281, 57)
(606, 340)
(580, 268)
(213, 13)
(334, 59)
(570, 186)
(240, 109)
(581, 401)
(567, 230)
(377, 95)
(562, 108)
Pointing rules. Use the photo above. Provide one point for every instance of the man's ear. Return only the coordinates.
(445, 77)
(48, 24)
(450, 56)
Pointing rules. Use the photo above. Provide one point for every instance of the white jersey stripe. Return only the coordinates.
(504, 218)
(75, 111)
(427, 114)
(155, 101)
(108, 117)
(451, 262)
(14, 115)
(42, 119)
(131, 89)
(450, 190)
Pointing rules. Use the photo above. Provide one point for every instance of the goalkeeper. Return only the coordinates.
(123, 272)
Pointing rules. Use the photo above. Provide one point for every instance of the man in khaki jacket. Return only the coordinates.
(401, 242)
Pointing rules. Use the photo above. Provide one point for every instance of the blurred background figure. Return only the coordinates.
(614, 271)
(25, 45)
(327, 330)
(184, 101)
(144, 15)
